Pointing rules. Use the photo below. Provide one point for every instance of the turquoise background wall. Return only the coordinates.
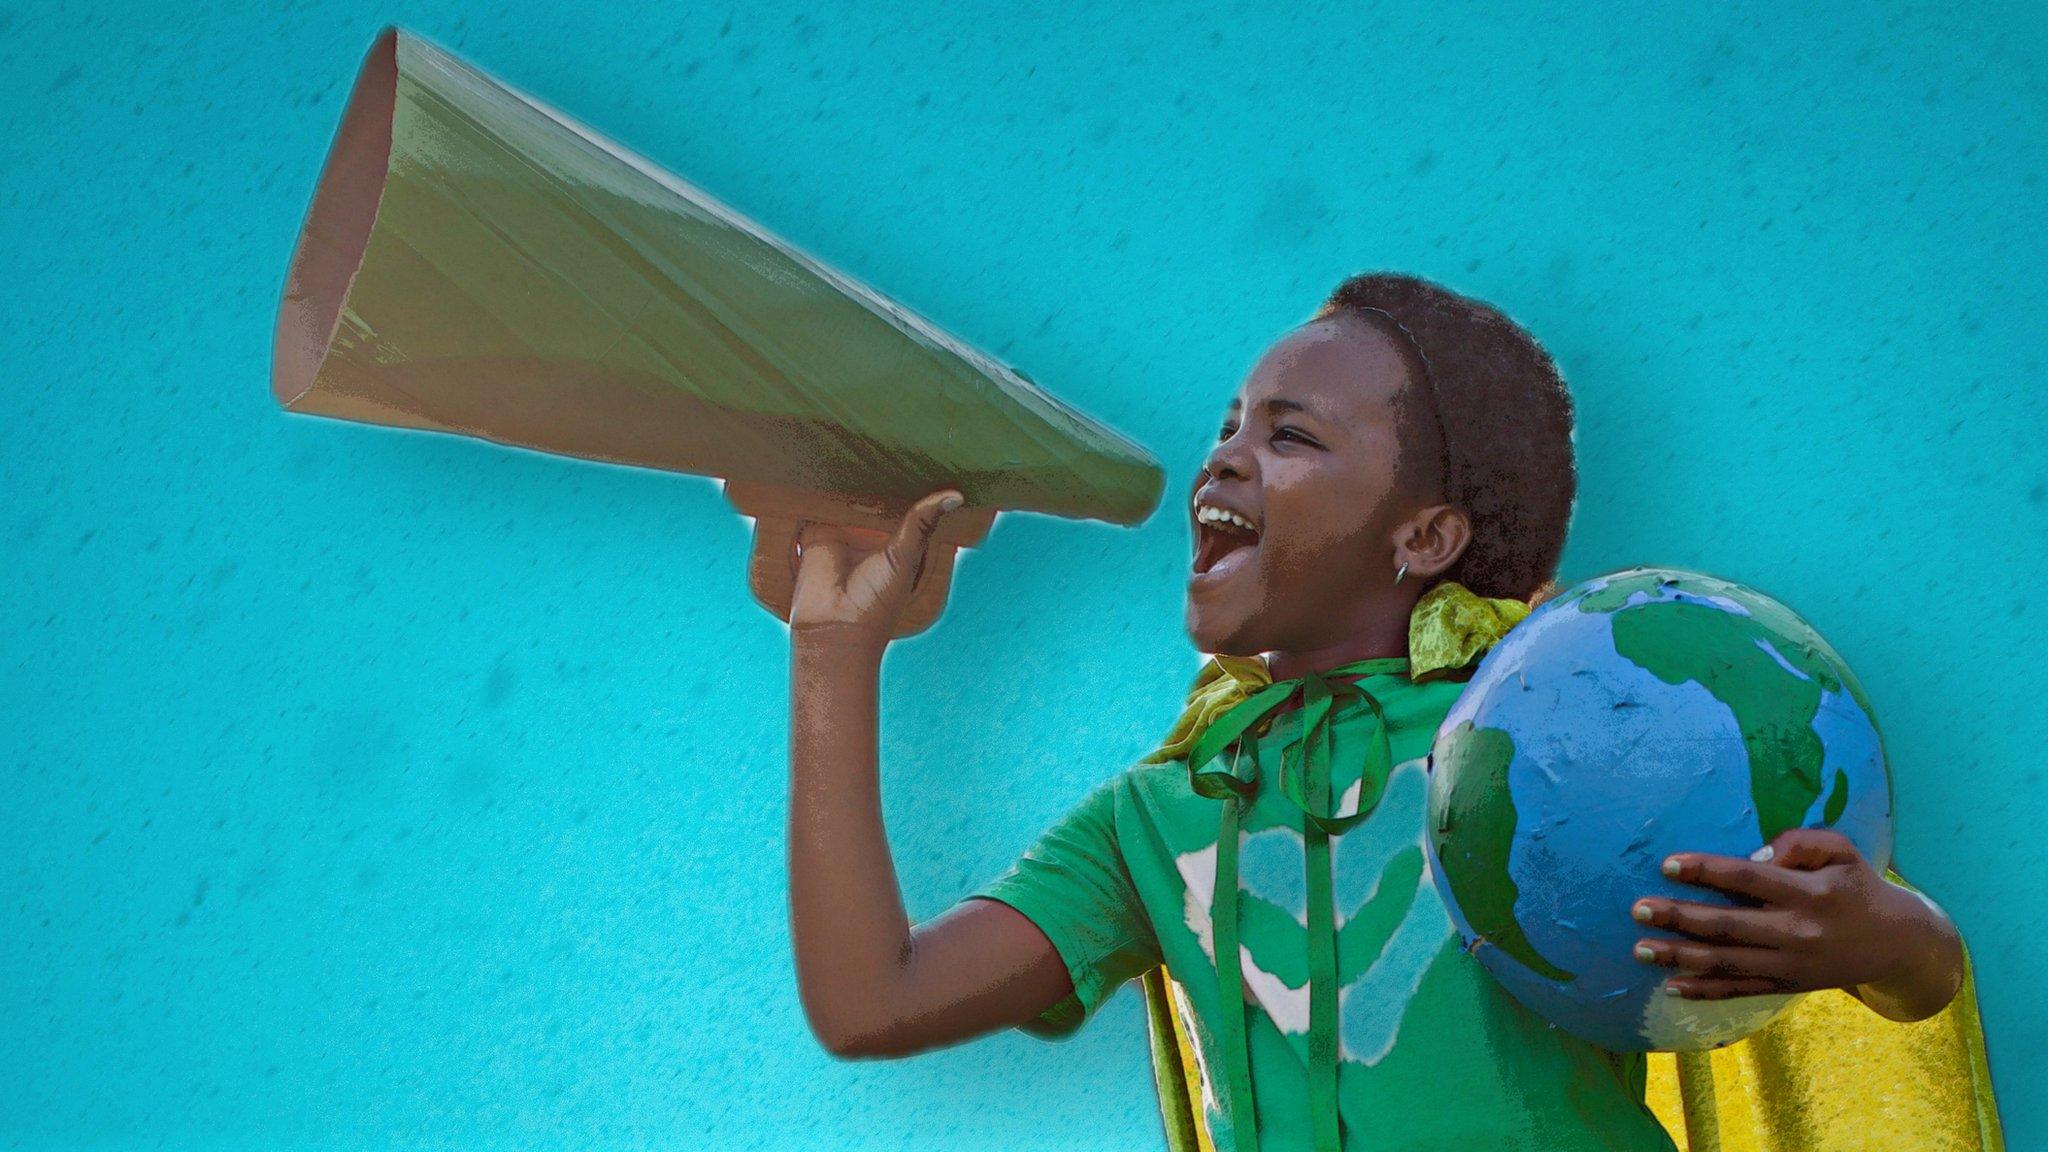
(375, 789)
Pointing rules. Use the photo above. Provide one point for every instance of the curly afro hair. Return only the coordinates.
(1502, 426)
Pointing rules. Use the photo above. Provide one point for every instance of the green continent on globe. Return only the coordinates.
(1474, 831)
(1677, 641)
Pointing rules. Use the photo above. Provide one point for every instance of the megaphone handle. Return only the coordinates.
(777, 511)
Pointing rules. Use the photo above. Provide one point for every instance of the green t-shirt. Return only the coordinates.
(1433, 1053)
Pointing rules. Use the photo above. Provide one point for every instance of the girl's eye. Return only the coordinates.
(1229, 430)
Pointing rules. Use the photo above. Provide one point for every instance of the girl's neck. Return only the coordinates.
(1385, 638)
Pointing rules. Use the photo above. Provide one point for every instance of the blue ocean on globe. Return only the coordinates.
(1635, 715)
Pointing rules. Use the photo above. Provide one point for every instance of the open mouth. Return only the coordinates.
(1222, 540)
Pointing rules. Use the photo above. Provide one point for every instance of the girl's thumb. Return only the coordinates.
(907, 546)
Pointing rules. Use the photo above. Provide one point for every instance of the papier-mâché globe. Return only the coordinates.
(1636, 715)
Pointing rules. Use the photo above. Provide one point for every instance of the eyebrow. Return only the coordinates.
(1278, 404)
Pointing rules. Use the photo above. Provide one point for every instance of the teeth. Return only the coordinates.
(1208, 514)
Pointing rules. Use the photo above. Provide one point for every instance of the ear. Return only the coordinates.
(1430, 541)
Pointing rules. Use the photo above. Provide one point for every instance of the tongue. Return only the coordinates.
(1216, 546)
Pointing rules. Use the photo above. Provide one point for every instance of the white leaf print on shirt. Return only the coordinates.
(1270, 866)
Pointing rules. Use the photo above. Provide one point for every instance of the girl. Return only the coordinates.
(1389, 492)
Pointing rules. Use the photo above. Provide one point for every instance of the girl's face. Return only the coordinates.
(1308, 463)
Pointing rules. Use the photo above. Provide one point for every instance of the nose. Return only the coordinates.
(1226, 458)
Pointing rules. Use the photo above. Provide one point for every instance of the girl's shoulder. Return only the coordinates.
(1161, 793)
(1163, 778)
(1149, 785)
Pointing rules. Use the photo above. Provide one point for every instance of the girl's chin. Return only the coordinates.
(1221, 634)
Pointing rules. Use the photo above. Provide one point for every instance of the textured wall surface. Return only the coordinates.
(367, 788)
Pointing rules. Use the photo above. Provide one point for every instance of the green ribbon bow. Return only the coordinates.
(1304, 780)
(1231, 704)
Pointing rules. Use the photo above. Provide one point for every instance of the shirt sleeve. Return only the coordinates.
(1073, 883)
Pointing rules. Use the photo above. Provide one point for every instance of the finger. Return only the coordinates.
(821, 549)
(1760, 881)
(796, 549)
(1808, 849)
(913, 536)
(815, 536)
(1712, 988)
(809, 538)
(1760, 927)
(811, 533)
(843, 544)
(841, 538)
(1696, 959)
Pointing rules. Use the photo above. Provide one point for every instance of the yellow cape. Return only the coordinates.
(1829, 1075)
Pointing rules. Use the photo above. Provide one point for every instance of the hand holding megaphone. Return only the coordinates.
(853, 584)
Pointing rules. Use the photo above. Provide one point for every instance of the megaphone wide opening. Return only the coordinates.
(338, 225)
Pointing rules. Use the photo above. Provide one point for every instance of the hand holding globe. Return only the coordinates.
(1622, 753)
(1825, 918)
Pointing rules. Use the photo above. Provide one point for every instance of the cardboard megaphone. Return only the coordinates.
(475, 262)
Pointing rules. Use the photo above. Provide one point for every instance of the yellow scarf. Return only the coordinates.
(1829, 1075)
(1450, 627)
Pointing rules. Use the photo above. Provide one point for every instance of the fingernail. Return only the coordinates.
(1673, 990)
(1671, 866)
(1641, 912)
(950, 503)
(1645, 953)
(1763, 854)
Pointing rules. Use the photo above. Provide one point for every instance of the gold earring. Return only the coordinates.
(1403, 572)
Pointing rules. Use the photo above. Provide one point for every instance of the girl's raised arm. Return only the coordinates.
(871, 984)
